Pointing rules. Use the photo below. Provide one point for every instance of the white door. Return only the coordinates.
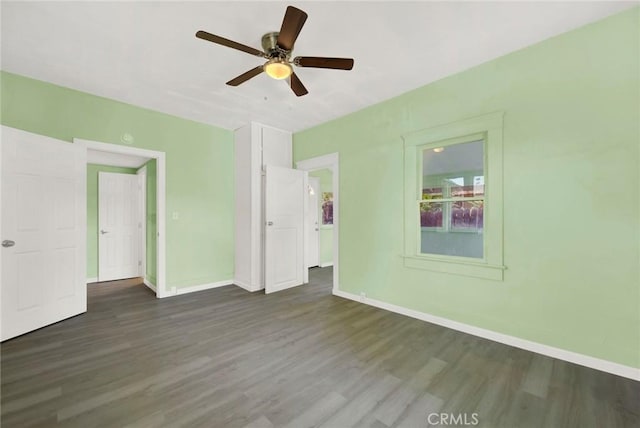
(118, 223)
(285, 195)
(313, 242)
(43, 231)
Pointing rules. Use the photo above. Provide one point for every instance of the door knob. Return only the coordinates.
(269, 223)
(8, 243)
(103, 232)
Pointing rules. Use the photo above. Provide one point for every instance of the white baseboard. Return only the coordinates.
(326, 264)
(202, 287)
(246, 286)
(150, 284)
(89, 280)
(539, 348)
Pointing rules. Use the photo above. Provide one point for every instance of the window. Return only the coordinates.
(453, 198)
(451, 207)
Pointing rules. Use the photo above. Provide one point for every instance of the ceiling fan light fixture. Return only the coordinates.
(278, 69)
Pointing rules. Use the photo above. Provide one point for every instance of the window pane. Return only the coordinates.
(467, 215)
(457, 171)
(432, 193)
(431, 214)
(452, 228)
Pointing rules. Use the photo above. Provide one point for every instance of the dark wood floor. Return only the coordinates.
(298, 358)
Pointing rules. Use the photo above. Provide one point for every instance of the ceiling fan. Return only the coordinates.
(277, 47)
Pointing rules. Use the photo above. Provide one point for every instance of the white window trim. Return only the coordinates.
(491, 266)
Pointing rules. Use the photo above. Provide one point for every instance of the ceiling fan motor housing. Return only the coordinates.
(271, 48)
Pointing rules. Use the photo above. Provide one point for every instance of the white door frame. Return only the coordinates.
(160, 200)
(142, 215)
(330, 162)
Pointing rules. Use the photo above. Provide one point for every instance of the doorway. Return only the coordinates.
(326, 170)
(139, 164)
(320, 219)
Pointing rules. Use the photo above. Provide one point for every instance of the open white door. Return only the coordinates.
(118, 223)
(285, 193)
(313, 242)
(43, 231)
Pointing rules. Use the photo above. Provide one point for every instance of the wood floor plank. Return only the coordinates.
(130, 390)
(363, 403)
(153, 420)
(318, 411)
(261, 422)
(417, 414)
(538, 376)
(31, 400)
(297, 358)
(390, 410)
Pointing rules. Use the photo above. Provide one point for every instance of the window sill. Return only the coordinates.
(456, 266)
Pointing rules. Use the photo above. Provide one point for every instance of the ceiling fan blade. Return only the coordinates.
(292, 23)
(245, 76)
(297, 87)
(323, 62)
(228, 43)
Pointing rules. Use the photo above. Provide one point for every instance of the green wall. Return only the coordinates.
(571, 192)
(92, 213)
(199, 166)
(326, 232)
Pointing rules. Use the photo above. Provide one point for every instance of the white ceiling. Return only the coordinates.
(145, 53)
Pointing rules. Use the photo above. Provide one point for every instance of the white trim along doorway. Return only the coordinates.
(142, 181)
(332, 163)
(160, 286)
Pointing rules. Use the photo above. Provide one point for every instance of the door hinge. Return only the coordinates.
(139, 262)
